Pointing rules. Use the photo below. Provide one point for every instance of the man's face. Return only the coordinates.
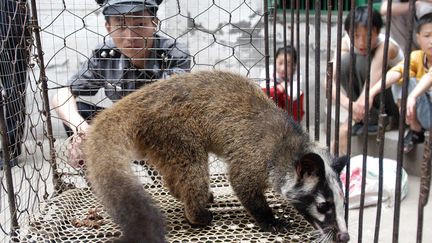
(424, 39)
(360, 39)
(133, 34)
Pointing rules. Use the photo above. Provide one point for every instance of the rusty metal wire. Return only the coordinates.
(42, 195)
(221, 35)
(76, 215)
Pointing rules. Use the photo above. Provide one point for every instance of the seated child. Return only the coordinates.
(360, 73)
(418, 101)
(283, 78)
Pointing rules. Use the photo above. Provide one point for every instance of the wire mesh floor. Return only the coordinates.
(77, 216)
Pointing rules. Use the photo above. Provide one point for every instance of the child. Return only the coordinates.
(418, 101)
(395, 55)
(283, 77)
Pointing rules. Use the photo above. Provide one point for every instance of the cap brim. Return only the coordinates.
(120, 9)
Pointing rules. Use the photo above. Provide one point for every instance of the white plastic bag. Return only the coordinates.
(371, 189)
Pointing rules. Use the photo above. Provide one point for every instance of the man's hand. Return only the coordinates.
(75, 153)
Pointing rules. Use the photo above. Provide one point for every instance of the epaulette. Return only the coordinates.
(106, 53)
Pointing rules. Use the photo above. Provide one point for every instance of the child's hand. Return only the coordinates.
(411, 109)
(358, 109)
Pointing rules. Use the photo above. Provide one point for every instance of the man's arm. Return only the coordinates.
(397, 8)
(87, 81)
(64, 103)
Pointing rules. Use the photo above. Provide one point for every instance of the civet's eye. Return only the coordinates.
(323, 207)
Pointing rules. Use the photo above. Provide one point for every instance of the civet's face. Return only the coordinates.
(317, 194)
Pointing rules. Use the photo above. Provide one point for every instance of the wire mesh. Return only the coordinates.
(213, 34)
(76, 215)
(52, 202)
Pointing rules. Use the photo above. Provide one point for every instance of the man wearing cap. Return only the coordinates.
(133, 55)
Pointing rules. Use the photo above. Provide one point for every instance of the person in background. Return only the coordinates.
(14, 59)
(395, 55)
(418, 112)
(133, 55)
(399, 29)
(284, 71)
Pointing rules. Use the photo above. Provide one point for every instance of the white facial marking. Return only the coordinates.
(339, 203)
(337, 193)
(312, 209)
(339, 206)
(289, 185)
(310, 183)
(320, 198)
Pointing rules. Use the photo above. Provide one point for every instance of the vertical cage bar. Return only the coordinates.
(317, 68)
(329, 91)
(350, 106)
(338, 72)
(285, 53)
(365, 119)
(328, 71)
(275, 96)
(306, 100)
(290, 106)
(43, 81)
(382, 118)
(6, 165)
(266, 46)
(407, 51)
(425, 182)
(298, 60)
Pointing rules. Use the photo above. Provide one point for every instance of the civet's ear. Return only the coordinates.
(100, 2)
(310, 164)
(340, 163)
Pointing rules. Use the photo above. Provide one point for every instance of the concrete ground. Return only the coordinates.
(409, 205)
(407, 222)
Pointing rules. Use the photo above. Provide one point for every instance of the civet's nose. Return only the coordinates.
(343, 237)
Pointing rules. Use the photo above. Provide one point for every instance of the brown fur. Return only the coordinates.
(175, 123)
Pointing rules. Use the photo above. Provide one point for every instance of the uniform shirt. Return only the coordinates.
(416, 68)
(109, 69)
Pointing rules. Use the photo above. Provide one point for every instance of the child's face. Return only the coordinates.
(280, 66)
(360, 39)
(424, 39)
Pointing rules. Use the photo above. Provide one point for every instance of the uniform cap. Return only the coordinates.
(120, 7)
